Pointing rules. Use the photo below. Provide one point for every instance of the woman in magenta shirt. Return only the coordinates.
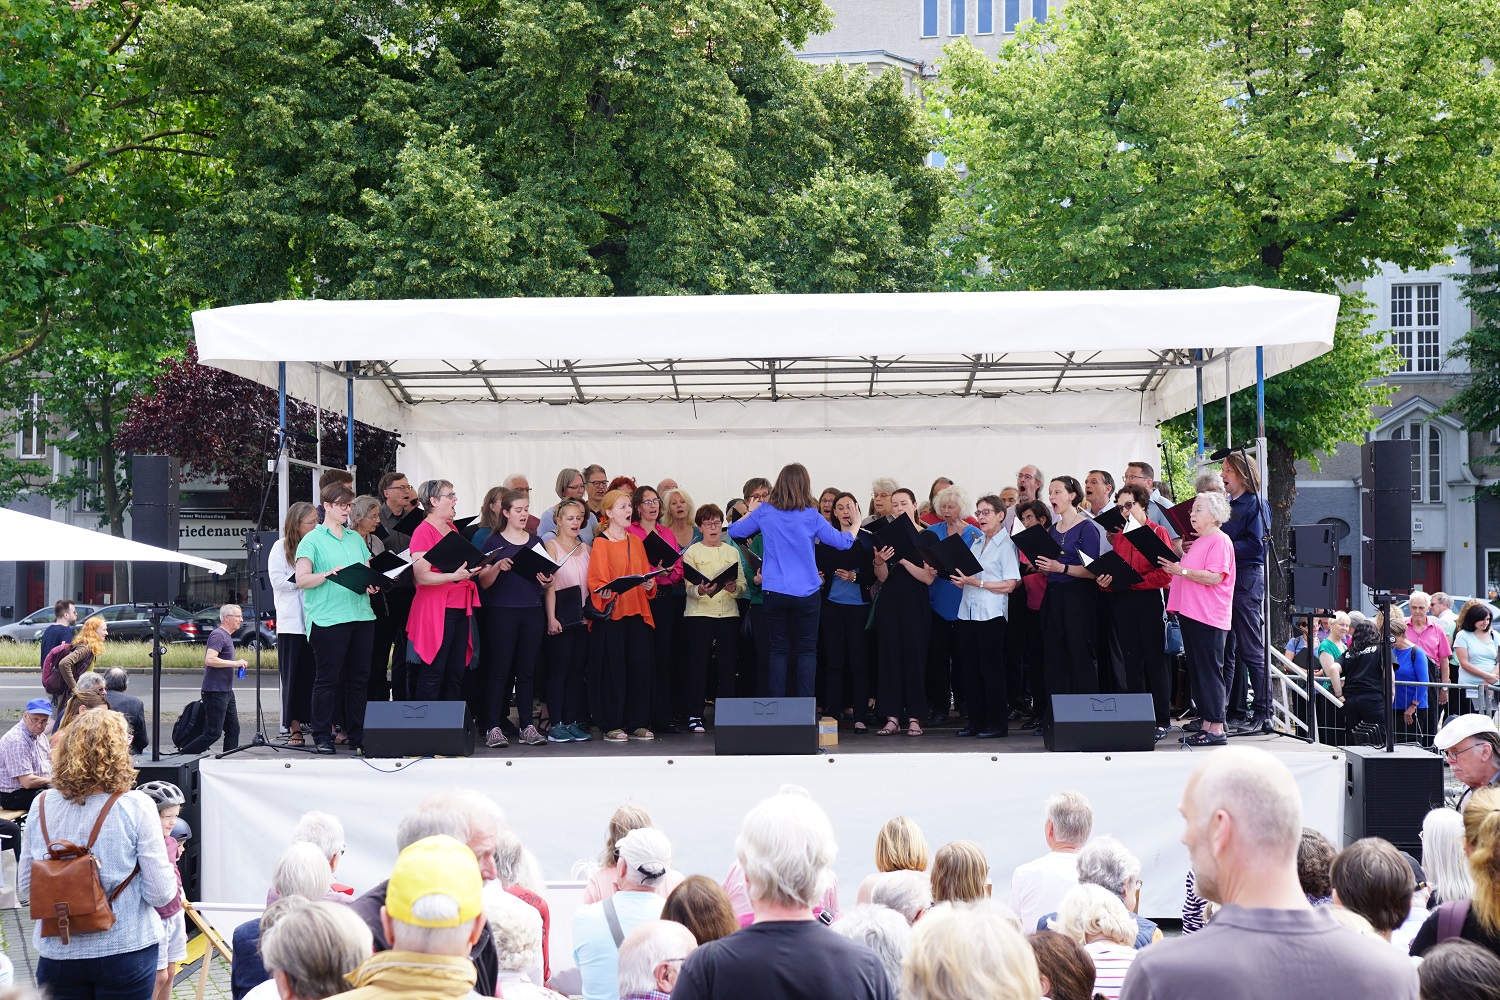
(1202, 596)
(438, 627)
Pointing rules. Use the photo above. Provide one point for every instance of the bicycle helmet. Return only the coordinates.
(163, 793)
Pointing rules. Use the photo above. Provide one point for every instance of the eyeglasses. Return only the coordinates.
(339, 503)
(983, 512)
(1127, 506)
(648, 503)
(1452, 755)
(596, 483)
(711, 524)
(759, 495)
(446, 496)
(1137, 477)
(402, 488)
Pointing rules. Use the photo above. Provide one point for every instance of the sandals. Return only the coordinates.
(913, 728)
(296, 740)
(1204, 739)
(889, 729)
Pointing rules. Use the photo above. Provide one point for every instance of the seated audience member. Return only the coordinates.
(1097, 919)
(959, 872)
(882, 930)
(300, 871)
(510, 863)
(1067, 971)
(470, 818)
(1038, 886)
(433, 917)
(1443, 857)
(26, 759)
(309, 949)
(1471, 746)
(908, 893)
(86, 696)
(517, 929)
(1460, 970)
(1475, 919)
(651, 958)
(326, 833)
(1371, 878)
(1107, 863)
(1243, 816)
(899, 846)
(600, 928)
(701, 905)
(1315, 854)
(959, 953)
(602, 882)
(115, 681)
(786, 850)
(737, 886)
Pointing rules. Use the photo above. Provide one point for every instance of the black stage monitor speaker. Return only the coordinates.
(765, 726)
(1388, 794)
(1313, 588)
(182, 771)
(418, 729)
(155, 492)
(1315, 545)
(1102, 722)
(1385, 465)
(1386, 564)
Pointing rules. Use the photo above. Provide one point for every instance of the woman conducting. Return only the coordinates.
(1202, 597)
(902, 621)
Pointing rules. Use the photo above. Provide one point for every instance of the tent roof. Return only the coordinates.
(27, 538)
(777, 347)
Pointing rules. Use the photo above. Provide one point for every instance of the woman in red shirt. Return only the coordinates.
(621, 654)
(1138, 621)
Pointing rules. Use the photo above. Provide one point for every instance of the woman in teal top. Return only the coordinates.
(1475, 646)
(340, 622)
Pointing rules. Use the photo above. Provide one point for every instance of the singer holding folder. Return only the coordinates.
(667, 602)
(567, 643)
(984, 601)
(1203, 597)
(903, 618)
(340, 622)
(1138, 622)
(511, 624)
(789, 523)
(1070, 610)
(712, 619)
(438, 626)
(847, 577)
(620, 652)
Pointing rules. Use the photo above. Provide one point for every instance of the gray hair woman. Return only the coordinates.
(438, 625)
(517, 927)
(1202, 597)
(310, 950)
(1097, 919)
(959, 952)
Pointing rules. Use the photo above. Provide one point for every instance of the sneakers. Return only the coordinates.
(532, 738)
(560, 734)
(615, 736)
(643, 734)
(580, 732)
(695, 725)
(496, 738)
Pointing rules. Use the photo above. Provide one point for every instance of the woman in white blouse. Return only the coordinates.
(980, 629)
(293, 653)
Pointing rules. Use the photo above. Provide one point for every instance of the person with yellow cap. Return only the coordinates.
(432, 916)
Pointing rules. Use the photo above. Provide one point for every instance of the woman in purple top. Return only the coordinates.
(512, 622)
(1070, 609)
(788, 524)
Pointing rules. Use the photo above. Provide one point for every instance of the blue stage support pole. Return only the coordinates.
(349, 411)
(1198, 371)
(1260, 392)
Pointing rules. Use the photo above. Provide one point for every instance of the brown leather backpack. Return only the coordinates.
(66, 893)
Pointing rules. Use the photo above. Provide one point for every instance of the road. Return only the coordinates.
(177, 689)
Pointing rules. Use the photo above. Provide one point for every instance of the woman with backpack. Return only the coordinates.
(1476, 919)
(66, 662)
(95, 846)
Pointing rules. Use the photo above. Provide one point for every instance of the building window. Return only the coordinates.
(91, 497)
(958, 17)
(31, 436)
(1426, 460)
(1039, 11)
(1414, 327)
(929, 18)
(1012, 15)
(984, 17)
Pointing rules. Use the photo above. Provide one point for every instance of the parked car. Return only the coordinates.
(249, 635)
(30, 628)
(130, 623)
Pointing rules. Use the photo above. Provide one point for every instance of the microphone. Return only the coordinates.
(1223, 453)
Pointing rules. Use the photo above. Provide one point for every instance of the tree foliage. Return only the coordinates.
(514, 147)
(1478, 400)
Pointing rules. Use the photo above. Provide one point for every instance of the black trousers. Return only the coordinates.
(846, 647)
(1362, 708)
(390, 646)
(567, 668)
(295, 663)
(708, 638)
(510, 643)
(621, 671)
(340, 681)
(1249, 649)
(20, 799)
(1069, 635)
(667, 609)
(443, 678)
(1141, 633)
(760, 646)
(901, 625)
(1018, 617)
(981, 651)
(220, 717)
(1111, 667)
(10, 836)
(1203, 647)
(944, 676)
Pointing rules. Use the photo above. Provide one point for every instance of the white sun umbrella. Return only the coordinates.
(27, 538)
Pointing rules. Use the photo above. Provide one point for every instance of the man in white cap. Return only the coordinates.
(599, 929)
(1471, 746)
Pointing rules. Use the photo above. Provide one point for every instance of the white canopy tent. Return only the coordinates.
(712, 389)
(27, 538)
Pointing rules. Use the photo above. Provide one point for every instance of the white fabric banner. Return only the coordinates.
(559, 806)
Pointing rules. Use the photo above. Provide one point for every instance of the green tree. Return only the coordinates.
(515, 147)
(1478, 401)
(1155, 144)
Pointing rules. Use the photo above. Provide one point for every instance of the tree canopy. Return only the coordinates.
(1477, 402)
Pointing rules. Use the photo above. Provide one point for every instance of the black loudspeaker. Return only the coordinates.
(154, 506)
(182, 771)
(1312, 588)
(1101, 722)
(1388, 794)
(1385, 514)
(1315, 545)
(1385, 465)
(1386, 564)
(257, 554)
(765, 726)
(418, 729)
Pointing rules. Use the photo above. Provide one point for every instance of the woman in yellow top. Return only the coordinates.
(712, 618)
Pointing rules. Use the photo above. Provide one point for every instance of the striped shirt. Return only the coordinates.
(1111, 962)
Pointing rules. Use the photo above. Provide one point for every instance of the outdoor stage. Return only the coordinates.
(559, 797)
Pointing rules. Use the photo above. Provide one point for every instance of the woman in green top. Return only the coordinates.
(340, 622)
(1331, 652)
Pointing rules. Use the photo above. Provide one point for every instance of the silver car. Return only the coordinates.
(30, 628)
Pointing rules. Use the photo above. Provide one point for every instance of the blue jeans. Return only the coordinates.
(792, 624)
(130, 976)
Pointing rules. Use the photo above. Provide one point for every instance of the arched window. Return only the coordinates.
(1426, 459)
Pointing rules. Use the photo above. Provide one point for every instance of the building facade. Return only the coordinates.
(910, 34)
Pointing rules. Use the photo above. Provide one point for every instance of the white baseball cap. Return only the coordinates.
(1461, 727)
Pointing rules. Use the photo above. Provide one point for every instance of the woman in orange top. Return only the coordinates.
(621, 661)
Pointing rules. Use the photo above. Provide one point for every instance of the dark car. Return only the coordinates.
(249, 635)
(132, 623)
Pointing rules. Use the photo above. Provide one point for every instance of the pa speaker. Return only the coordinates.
(744, 726)
(258, 552)
(1388, 794)
(155, 493)
(1385, 465)
(182, 771)
(1312, 588)
(418, 729)
(1315, 545)
(1386, 564)
(1385, 514)
(1102, 722)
